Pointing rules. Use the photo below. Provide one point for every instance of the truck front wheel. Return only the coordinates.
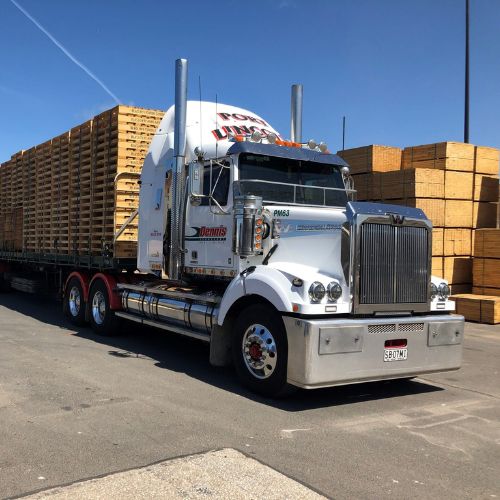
(102, 319)
(74, 304)
(260, 350)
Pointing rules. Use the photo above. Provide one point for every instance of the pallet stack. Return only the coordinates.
(455, 184)
(71, 194)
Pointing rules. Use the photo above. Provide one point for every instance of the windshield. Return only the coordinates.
(286, 181)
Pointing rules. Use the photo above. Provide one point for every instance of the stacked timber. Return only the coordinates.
(454, 223)
(483, 305)
(71, 194)
(455, 184)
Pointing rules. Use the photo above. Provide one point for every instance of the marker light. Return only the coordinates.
(256, 136)
(323, 147)
(271, 138)
(312, 144)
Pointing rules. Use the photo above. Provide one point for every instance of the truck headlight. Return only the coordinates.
(334, 291)
(443, 291)
(434, 291)
(316, 292)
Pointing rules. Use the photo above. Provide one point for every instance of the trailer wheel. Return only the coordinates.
(102, 319)
(260, 351)
(74, 304)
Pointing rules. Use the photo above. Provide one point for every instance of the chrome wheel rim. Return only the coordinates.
(259, 351)
(74, 301)
(98, 307)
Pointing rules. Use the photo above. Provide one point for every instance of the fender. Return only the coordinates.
(84, 282)
(265, 282)
(115, 302)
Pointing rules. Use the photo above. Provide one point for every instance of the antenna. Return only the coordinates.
(217, 127)
(343, 133)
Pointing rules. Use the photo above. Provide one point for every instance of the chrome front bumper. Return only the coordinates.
(328, 352)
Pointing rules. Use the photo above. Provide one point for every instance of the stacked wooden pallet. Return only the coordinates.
(71, 195)
(455, 184)
(6, 222)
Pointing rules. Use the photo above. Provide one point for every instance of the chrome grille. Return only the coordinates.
(411, 327)
(394, 264)
(381, 328)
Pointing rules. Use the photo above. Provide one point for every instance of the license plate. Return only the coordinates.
(395, 354)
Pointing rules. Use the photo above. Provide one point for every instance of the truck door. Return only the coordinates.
(209, 228)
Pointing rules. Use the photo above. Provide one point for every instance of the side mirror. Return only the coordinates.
(196, 182)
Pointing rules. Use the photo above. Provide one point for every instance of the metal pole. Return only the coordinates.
(174, 264)
(296, 118)
(466, 111)
(343, 133)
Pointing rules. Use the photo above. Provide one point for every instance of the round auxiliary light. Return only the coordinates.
(334, 291)
(443, 291)
(323, 147)
(434, 291)
(271, 138)
(316, 292)
(345, 171)
(256, 136)
(312, 144)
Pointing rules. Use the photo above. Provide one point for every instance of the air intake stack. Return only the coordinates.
(296, 119)
(174, 266)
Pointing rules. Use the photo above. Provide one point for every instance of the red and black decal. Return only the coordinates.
(205, 233)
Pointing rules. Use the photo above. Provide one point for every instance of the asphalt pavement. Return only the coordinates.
(76, 406)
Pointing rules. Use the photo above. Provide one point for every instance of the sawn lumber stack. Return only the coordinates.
(71, 194)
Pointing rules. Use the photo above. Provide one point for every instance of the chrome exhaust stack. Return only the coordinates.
(296, 112)
(174, 262)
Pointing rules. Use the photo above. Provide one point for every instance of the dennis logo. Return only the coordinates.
(205, 233)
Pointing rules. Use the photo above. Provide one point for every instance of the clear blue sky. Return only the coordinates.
(393, 67)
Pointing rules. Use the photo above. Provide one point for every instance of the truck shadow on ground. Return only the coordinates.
(185, 355)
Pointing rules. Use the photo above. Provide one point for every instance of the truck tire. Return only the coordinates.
(74, 303)
(260, 351)
(102, 319)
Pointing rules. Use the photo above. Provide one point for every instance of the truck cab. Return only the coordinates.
(259, 247)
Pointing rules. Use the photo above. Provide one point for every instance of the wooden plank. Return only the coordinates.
(484, 290)
(372, 158)
(460, 288)
(457, 242)
(486, 272)
(426, 183)
(469, 306)
(487, 243)
(457, 270)
(437, 150)
(437, 266)
(486, 160)
(459, 164)
(486, 187)
(392, 185)
(437, 241)
(484, 215)
(458, 213)
(458, 185)
(434, 209)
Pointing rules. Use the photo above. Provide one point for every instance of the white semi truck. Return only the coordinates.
(255, 244)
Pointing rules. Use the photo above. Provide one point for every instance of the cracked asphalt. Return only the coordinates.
(75, 406)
